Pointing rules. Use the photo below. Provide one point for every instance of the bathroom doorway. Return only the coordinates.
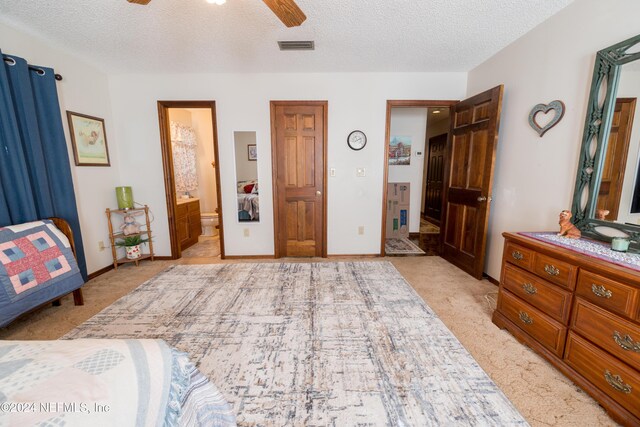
(189, 142)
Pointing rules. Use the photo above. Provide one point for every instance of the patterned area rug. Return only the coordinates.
(427, 228)
(312, 344)
(401, 247)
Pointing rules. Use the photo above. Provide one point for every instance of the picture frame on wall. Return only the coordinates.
(400, 151)
(252, 152)
(88, 140)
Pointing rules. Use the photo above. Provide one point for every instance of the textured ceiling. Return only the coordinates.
(241, 35)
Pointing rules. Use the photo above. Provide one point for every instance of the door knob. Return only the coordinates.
(484, 199)
(318, 192)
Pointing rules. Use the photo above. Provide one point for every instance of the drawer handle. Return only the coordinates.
(529, 288)
(626, 342)
(601, 291)
(517, 255)
(526, 319)
(551, 270)
(616, 382)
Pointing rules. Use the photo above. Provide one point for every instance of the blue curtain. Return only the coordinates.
(35, 175)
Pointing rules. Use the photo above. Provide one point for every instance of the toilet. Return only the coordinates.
(209, 223)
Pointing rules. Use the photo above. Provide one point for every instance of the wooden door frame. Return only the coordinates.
(167, 165)
(401, 104)
(274, 169)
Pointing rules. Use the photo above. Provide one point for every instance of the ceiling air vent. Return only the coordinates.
(296, 45)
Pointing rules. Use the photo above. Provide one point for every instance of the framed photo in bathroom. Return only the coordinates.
(88, 139)
(252, 152)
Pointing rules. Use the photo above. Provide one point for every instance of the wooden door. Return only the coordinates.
(435, 176)
(468, 180)
(298, 144)
(615, 159)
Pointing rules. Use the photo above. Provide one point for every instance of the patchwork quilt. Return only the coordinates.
(36, 266)
(93, 382)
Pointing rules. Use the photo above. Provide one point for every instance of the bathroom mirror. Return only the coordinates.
(247, 187)
(606, 200)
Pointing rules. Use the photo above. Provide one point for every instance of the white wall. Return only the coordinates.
(534, 176)
(246, 170)
(412, 123)
(180, 115)
(84, 89)
(356, 101)
(630, 88)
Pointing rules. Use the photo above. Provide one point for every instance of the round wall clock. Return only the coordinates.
(357, 140)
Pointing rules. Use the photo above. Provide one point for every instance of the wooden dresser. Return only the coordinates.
(188, 222)
(579, 312)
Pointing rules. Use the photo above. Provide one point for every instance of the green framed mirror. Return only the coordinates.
(607, 177)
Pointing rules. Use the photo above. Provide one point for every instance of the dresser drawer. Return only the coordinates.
(607, 373)
(539, 326)
(618, 336)
(556, 271)
(549, 298)
(607, 293)
(519, 256)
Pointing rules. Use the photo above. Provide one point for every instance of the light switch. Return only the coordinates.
(361, 171)
(332, 172)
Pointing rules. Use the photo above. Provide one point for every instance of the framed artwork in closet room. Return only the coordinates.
(88, 140)
(252, 152)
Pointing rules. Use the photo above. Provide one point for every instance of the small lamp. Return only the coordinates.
(125, 197)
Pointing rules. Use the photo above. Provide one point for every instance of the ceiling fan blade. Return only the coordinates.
(288, 12)
(139, 1)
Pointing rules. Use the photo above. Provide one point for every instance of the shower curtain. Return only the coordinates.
(184, 144)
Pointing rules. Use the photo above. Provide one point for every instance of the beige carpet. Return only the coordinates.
(543, 395)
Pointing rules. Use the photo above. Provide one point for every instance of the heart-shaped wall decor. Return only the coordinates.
(558, 108)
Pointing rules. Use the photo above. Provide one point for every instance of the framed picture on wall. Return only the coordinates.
(88, 139)
(400, 151)
(252, 152)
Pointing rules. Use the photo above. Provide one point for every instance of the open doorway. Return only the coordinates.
(416, 150)
(190, 159)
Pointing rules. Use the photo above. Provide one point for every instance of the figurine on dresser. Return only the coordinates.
(567, 229)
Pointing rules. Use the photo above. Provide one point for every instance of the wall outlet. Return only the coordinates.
(361, 230)
(361, 171)
(246, 232)
(101, 246)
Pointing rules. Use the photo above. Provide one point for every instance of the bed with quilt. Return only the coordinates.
(105, 382)
(248, 201)
(37, 266)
